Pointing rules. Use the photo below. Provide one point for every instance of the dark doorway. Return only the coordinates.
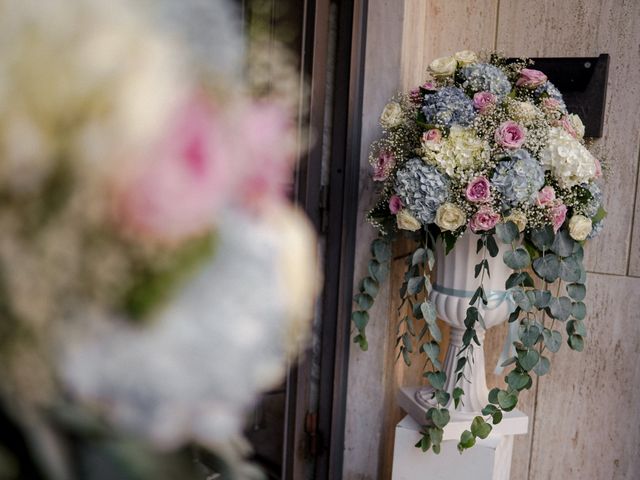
(297, 431)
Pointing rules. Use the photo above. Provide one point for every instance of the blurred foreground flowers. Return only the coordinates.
(153, 276)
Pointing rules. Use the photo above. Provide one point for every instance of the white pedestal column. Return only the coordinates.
(489, 459)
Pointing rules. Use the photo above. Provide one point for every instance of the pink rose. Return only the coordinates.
(432, 136)
(484, 219)
(483, 101)
(478, 190)
(395, 204)
(385, 163)
(177, 186)
(568, 127)
(530, 78)
(510, 135)
(558, 215)
(546, 196)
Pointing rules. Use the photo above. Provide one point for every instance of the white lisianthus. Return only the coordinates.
(569, 161)
(577, 124)
(517, 217)
(391, 115)
(406, 221)
(459, 152)
(580, 227)
(524, 111)
(465, 57)
(443, 67)
(450, 217)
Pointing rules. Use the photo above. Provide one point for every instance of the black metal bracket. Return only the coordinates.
(583, 83)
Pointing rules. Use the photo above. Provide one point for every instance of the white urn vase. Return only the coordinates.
(454, 286)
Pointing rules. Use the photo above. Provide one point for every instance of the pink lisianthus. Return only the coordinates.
(384, 164)
(568, 127)
(482, 101)
(484, 219)
(510, 135)
(432, 136)
(598, 173)
(264, 137)
(429, 86)
(416, 96)
(178, 185)
(530, 78)
(550, 104)
(546, 196)
(478, 190)
(558, 215)
(395, 204)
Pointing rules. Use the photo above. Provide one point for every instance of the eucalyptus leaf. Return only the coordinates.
(436, 379)
(560, 308)
(364, 301)
(435, 434)
(517, 259)
(507, 232)
(432, 350)
(493, 395)
(563, 244)
(528, 359)
(570, 269)
(467, 440)
(415, 284)
(522, 279)
(552, 339)
(547, 267)
(370, 286)
(530, 335)
(418, 257)
(506, 400)
(542, 238)
(577, 291)
(518, 379)
(541, 298)
(542, 367)
(434, 330)
(522, 299)
(579, 310)
(378, 271)
(576, 342)
(428, 311)
(440, 418)
(442, 397)
(492, 246)
(381, 250)
(360, 319)
(480, 428)
(457, 396)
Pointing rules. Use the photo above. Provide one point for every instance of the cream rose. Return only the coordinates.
(577, 124)
(519, 218)
(443, 67)
(391, 115)
(406, 221)
(450, 217)
(580, 227)
(465, 57)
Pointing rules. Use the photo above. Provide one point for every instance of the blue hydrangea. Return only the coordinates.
(593, 205)
(518, 178)
(596, 229)
(448, 106)
(422, 189)
(484, 77)
(552, 91)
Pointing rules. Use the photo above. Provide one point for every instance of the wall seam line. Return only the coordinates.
(495, 37)
(633, 216)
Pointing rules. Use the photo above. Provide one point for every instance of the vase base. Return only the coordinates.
(513, 423)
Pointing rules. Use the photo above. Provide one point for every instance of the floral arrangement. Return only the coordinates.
(486, 145)
(144, 185)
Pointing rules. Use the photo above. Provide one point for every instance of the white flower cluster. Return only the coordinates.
(460, 152)
(569, 161)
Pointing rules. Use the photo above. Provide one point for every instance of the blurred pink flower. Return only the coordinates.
(598, 173)
(433, 135)
(265, 153)
(181, 181)
(568, 127)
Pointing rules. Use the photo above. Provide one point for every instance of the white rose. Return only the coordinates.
(569, 161)
(391, 115)
(519, 218)
(577, 124)
(580, 227)
(406, 221)
(465, 57)
(450, 217)
(443, 67)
